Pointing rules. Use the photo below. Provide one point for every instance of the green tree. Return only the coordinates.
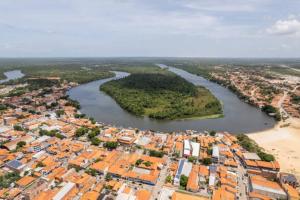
(111, 145)
(21, 144)
(59, 113)
(212, 133)
(95, 141)
(138, 162)
(207, 161)
(18, 128)
(183, 181)
(168, 179)
(147, 163)
(192, 159)
(154, 153)
(108, 177)
(81, 131)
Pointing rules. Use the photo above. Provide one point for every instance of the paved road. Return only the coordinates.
(161, 181)
(242, 181)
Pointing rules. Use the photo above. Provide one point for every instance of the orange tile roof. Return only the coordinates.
(192, 183)
(203, 170)
(184, 196)
(258, 196)
(26, 180)
(99, 166)
(259, 180)
(292, 192)
(98, 187)
(91, 195)
(143, 195)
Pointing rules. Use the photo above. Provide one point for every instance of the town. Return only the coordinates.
(49, 150)
(281, 93)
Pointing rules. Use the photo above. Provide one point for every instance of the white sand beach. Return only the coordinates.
(283, 143)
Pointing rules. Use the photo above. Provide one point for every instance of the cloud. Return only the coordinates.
(290, 27)
(226, 5)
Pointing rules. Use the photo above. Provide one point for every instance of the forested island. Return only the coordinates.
(162, 96)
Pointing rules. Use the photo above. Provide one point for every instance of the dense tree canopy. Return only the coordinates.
(162, 96)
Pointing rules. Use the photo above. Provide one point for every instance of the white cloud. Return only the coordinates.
(291, 26)
(227, 5)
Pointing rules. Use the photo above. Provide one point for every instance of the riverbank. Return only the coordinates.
(283, 142)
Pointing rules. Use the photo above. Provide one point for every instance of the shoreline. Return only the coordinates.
(283, 142)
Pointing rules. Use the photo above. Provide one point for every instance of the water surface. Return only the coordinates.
(239, 117)
(11, 75)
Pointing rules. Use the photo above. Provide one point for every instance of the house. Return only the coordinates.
(215, 154)
(64, 191)
(15, 165)
(261, 185)
(193, 181)
(12, 145)
(184, 168)
(289, 179)
(187, 148)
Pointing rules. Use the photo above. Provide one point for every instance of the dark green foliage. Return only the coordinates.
(52, 133)
(183, 181)
(95, 141)
(81, 131)
(68, 72)
(3, 107)
(192, 159)
(79, 116)
(18, 128)
(147, 163)
(38, 83)
(17, 92)
(91, 172)
(206, 161)
(21, 144)
(212, 133)
(111, 145)
(138, 162)
(269, 109)
(73, 103)
(108, 177)
(8, 178)
(296, 99)
(59, 112)
(168, 179)
(162, 96)
(265, 156)
(154, 153)
(209, 151)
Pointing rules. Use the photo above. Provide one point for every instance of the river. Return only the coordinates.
(239, 117)
(11, 75)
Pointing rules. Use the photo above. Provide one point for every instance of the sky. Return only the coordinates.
(151, 28)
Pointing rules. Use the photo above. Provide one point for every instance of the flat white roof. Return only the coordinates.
(64, 191)
(187, 168)
(268, 189)
(195, 149)
(251, 156)
(39, 154)
(212, 180)
(187, 145)
(216, 152)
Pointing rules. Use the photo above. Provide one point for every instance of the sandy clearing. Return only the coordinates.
(283, 143)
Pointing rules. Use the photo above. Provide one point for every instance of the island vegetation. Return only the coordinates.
(162, 96)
